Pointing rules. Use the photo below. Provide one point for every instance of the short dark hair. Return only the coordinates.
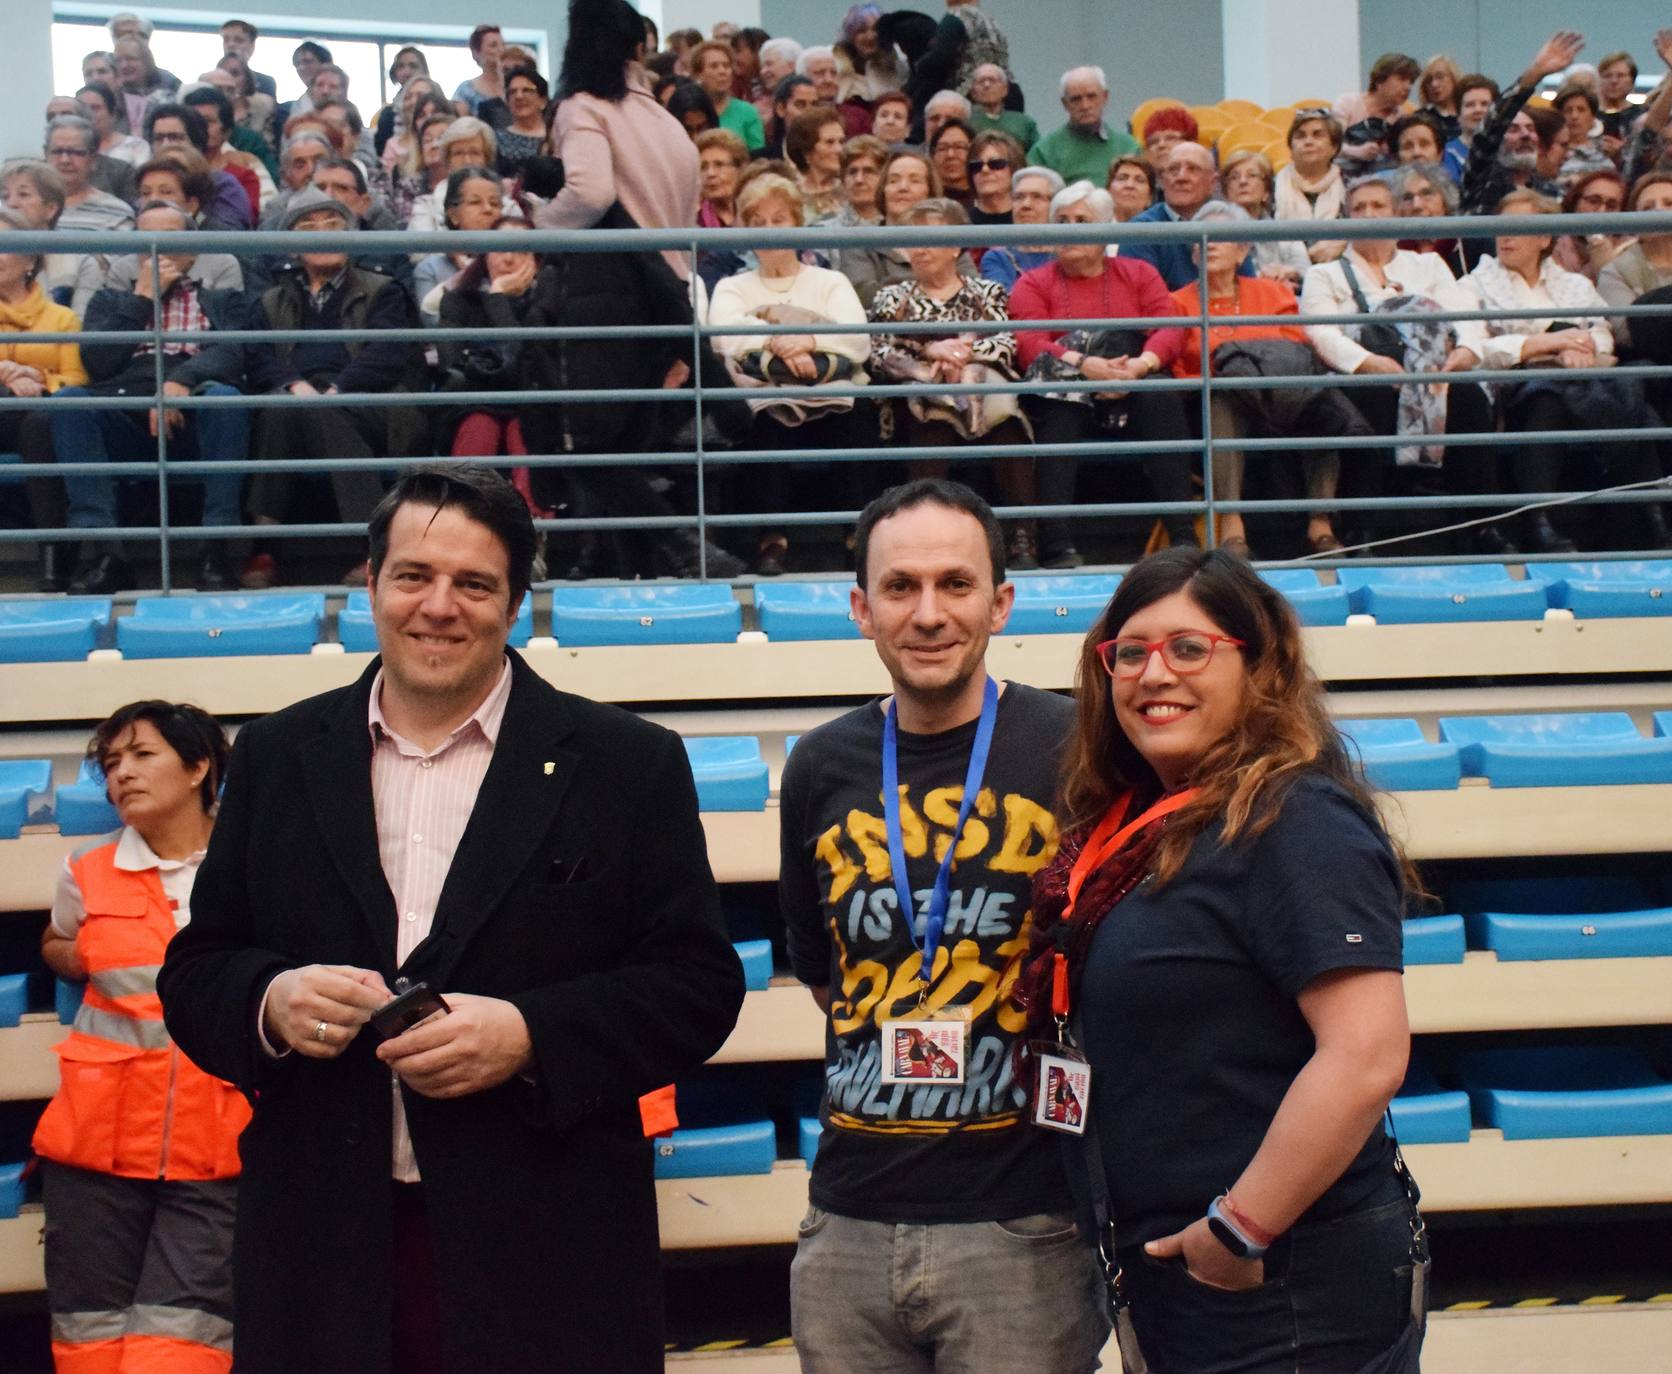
(939, 491)
(340, 164)
(1393, 64)
(319, 51)
(603, 36)
(479, 35)
(1426, 119)
(688, 96)
(196, 129)
(480, 494)
(530, 75)
(190, 731)
(107, 97)
(1477, 81)
(243, 24)
(212, 95)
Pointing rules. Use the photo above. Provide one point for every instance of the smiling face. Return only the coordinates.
(929, 602)
(149, 784)
(441, 604)
(1172, 719)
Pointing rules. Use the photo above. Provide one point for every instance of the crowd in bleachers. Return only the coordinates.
(903, 119)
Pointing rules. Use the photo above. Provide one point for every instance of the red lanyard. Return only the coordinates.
(1105, 841)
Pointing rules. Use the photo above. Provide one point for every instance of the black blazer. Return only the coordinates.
(541, 1197)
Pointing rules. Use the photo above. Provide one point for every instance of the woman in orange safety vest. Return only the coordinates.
(141, 1146)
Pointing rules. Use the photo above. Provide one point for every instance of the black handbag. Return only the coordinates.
(1378, 338)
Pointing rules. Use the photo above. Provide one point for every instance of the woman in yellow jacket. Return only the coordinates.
(32, 370)
(140, 1145)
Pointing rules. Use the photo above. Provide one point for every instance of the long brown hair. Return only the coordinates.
(1283, 733)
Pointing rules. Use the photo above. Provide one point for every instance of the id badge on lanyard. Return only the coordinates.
(1062, 1081)
(929, 1046)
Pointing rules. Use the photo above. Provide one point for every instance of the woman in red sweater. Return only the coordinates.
(1235, 414)
(1084, 283)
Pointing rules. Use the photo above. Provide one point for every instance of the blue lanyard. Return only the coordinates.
(941, 895)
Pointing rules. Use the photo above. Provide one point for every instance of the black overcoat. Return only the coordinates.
(581, 892)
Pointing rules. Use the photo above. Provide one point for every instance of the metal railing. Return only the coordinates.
(702, 460)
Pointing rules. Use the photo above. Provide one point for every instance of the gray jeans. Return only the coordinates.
(963, 1298)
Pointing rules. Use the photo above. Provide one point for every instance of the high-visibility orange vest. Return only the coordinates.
(129, 1102)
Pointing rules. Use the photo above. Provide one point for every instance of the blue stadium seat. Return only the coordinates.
(705, 614)
(756, 958)
(1583, 935)
(1060, 603)
(1566, 1091)
(23, 782)
(789, 611)
(14, 998)
(66, 1000)
(749, 1147)
(53, 631)
(1425, 1113)
(221, 626)
(81, 808)
(357, 635)
(1634, 588)
(730, 773)
(1314, 603)
(1663, 724)
(1426, 596)
(1598, 748)
(808, 1132)
(1398, 758)
(11, 1188)
(1434, 940)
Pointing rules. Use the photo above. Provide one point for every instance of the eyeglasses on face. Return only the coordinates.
(1185, 652)
(991, 164)
(1599, 202)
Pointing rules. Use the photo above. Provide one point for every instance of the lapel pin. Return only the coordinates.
(550, 768)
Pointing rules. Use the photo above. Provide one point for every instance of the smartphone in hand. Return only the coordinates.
(406, 1009)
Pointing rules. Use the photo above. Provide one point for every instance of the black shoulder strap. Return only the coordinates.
(1357, 290)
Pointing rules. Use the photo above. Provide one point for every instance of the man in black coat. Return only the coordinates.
(558, 897)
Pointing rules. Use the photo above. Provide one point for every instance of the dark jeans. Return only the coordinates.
(1336, 1294)
(323, 431)
(1467, 470)
(125, 436)
(28, 434)
(1153, 415)
(1539, 467)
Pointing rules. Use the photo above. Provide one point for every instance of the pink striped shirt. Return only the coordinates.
(423, 800)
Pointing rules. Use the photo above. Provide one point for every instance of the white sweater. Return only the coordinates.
(1325, 292)
(746, 297)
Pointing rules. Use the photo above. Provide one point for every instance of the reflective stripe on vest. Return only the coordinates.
(84, 1328)
(124, 1030)
(132, 981)
(180, 1323)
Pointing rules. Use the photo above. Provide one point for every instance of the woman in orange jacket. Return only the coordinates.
(140, 1145)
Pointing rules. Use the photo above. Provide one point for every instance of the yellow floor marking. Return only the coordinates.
(721, 1345)
(1603, 1300)
(785, 1343)
(1661, 1297)
(1468, 1306)
(1538, 1302)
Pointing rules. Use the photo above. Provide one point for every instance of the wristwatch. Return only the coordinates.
(1230, 1235)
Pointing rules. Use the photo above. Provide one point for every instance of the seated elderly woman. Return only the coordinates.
(1521, 274)
(1264, 350)
(467, 142)
(813, 143)
(471, 201)
(1246, 177)
(939, 292)
(1377, 275)
(721, 158)
(907, 177)
(1418, 137)
(1031, 192)
(1311, 186)
(949, 149)
(1082, 282)
(994, 158)
(1131, 186)
(33, 371)
(1422, 190)
(1644, 267)
(811, 303)
(1601, 191)
(862, 158)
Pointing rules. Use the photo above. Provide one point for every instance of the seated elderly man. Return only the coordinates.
(942, 108)
(209, 368)
(109, 174)
(1083, 148)
(328, 293)
(1504, 155)
(301, 154)
(819, 66)
(988, 88)
(1188, 181)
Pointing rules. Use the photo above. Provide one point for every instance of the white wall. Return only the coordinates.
(28, 82)
(1281, 51)
(702, 14)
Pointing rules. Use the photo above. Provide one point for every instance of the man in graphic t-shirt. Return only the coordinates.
(941, 1232)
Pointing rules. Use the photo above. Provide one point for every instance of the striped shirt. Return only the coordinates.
(423, 800)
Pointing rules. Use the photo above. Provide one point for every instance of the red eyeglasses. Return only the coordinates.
(1185, 652)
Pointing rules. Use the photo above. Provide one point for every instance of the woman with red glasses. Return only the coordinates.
(1219, 934)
